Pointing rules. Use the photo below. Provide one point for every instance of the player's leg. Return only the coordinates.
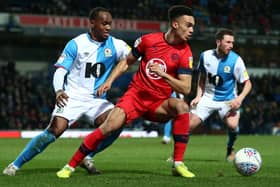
(61, 119)
(199, 113)
(114, 122)
(168, 125)
(195, 121)
(99, 110)
(38, 144)
(167, 132)
(179, 110)
(87, 163)
(232, 120)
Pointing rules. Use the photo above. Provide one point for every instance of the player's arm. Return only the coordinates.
(118, 70)
(121, 68)
(199, 89)
(200, 85)
(63, 64)
(181, 85)
(241, 75)
(200, 81)
(236, 103)
(58, 81)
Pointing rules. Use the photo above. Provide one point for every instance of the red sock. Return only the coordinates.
(181, 125)
(89, 144)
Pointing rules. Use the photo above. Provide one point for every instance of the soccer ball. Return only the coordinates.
(247, 161)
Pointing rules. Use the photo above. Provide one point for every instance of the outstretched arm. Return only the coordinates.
(120, 68)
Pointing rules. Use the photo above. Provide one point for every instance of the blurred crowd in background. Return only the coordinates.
(28, 100)
(256, 13)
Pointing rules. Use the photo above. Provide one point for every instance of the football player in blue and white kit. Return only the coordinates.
(83, 66)
(219, 71)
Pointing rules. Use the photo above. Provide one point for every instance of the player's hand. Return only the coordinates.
(103, 88)
(235, 104)
(157, 69)
(195, 101)
(61, 98)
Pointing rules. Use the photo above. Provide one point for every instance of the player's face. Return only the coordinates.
(101, 26)
(225, 45)
(184, 26)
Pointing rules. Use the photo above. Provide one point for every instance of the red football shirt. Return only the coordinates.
(174, 59)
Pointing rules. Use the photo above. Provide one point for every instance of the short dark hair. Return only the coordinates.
(95, 11)
(221, 32)
(177, 11)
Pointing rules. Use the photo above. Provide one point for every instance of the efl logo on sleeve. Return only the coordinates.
(245, 74)
(190, 62)
(61, 58)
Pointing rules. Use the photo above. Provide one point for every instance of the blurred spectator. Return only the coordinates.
(215, 12)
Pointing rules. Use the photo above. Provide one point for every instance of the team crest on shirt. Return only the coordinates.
(159, 61)
(227, 69)
(61, 58)
(108, 52)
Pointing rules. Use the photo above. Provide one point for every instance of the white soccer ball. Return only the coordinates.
(247, 161)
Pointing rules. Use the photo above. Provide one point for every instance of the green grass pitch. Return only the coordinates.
(142, 162)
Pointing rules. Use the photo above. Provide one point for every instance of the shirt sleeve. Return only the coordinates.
(240, 72)
(68, 55)
(138, 48)
(122, 49)
(186, 63)
(200, 66)
(58, 79)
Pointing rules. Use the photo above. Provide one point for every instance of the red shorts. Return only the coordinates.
(138, 103)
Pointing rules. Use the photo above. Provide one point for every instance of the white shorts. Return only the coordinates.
(75, 108)
(206, 106)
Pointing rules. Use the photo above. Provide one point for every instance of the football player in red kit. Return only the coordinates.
(165, 66)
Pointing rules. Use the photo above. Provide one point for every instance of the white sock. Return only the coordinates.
(70, 167)
(176, 163)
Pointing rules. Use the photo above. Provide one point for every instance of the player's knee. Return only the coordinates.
(100, 119)
(115, 121)
(57, 126)
(182, 107)
(194, 121)
(232, 123)
(232, 127)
